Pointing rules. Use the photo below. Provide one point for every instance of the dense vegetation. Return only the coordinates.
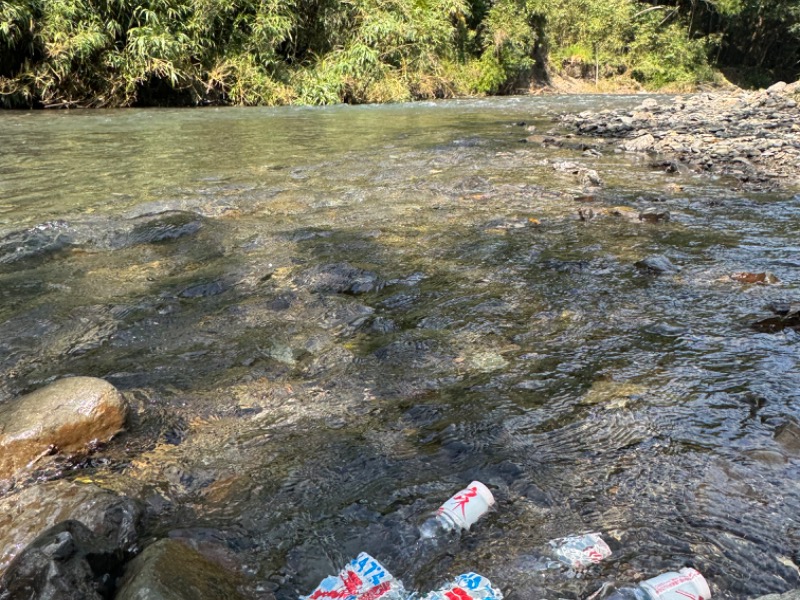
(125, 52)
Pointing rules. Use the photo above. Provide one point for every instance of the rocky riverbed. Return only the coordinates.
(753, 137)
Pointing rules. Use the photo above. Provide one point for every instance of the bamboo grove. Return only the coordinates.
(112, 53)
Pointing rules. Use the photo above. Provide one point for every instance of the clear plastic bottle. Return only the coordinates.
(460, 511)
(686, 584)
(575, 552)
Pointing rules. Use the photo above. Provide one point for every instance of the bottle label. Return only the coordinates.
(688, 584)
(468, 505)
(469, 586)
(363, 579)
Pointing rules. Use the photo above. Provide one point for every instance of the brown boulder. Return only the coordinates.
(64, 416)
(170, 570)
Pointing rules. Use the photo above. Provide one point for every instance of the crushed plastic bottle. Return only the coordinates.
(460, 511)
(576, 552)
(580, 551)
(686, 584)
(364, 578)
(469, 586)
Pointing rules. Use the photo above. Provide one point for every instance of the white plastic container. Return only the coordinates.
(460, 511)
(686, 584)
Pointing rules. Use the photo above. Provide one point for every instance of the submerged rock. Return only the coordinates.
(765, 278)
(66, 562)
(63, 417)
(170, 570)
(39, 241)
(158, 228)
(788, 317)
(339, 278)
(657, 265)
(26, 514)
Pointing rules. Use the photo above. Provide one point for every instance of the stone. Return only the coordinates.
(654, 214)
(66, 562)
(170, 570)
(791, 595)
(765, 278)
(788, 436)
(64, 417)
(27, 513)
(339, 278)
(643, 143)
(657, 265)
(777, 88)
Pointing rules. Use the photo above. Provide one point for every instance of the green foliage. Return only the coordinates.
(122, 53)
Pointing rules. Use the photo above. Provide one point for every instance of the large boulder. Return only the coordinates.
(64, 416)
(170, 570)
(66, 562)
(24, 515)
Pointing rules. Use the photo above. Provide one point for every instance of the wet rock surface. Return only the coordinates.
(27, 513)
(657, 265)
(62, 417)
(752, 136)
(792, 595)
(66, 562)
(787, 316)
(171, 570)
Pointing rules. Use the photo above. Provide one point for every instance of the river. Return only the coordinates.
(328, 320)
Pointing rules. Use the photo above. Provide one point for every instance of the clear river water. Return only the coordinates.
(328, 320)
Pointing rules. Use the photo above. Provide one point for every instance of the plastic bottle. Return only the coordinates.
(460, 511)
(686, 584)
(364, 578)
(469, 586)
(576, 552)
(580, 551)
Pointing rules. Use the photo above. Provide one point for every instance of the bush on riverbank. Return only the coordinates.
(184, 52)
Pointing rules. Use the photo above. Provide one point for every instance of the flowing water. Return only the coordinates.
(329, 320)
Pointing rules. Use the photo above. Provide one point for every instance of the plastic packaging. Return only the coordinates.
(686, 584)
(469, 586)
(580, 551)
(364, 578)
(460, 511)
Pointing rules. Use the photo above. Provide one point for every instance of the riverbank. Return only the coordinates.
(751, 137)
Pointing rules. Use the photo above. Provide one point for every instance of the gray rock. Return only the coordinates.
(27, 513)
(653, 214)
(65, 416)
(170, 570)
(643, 143)
(657, 265)
(792, 595)
(776, 88)
(40, 241)
(66, 562)
(340, 278)
(164, 227)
